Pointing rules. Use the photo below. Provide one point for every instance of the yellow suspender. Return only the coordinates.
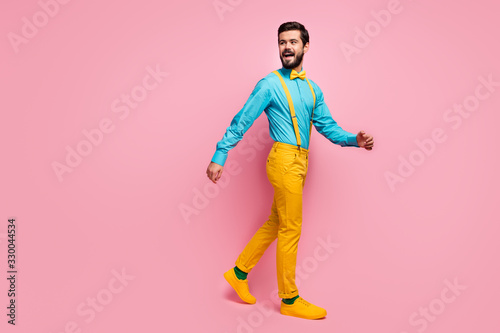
(292, 109)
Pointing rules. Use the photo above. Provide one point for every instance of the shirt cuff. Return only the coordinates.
(219, 158)
(351, 140)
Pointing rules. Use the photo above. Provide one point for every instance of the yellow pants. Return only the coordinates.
(286, 170)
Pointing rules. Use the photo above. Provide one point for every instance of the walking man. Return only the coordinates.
(292, 103)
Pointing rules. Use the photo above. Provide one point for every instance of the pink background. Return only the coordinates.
(119, 210)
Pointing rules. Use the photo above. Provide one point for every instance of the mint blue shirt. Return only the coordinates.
(269, 96)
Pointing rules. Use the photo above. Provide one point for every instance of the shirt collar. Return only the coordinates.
(286, 72)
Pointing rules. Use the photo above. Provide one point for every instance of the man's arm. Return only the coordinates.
(324, 123)
(253, 108)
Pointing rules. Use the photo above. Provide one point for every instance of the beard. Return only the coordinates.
(290, 64)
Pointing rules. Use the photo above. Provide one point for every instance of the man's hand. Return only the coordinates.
(214, 171)
(364, 140)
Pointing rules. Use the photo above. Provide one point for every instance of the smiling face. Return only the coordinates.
(292, 49)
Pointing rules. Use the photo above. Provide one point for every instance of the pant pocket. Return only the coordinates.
(286, 162)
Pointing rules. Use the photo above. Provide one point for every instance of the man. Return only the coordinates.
(289, 100)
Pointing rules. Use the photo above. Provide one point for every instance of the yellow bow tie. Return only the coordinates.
(294, 75)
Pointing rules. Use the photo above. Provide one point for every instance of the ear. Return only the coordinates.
(306, 47)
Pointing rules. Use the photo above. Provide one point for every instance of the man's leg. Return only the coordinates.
(259, 243)
(287, 172)
(251, 254)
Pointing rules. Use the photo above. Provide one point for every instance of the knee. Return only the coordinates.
(293, 229)
(273, 221)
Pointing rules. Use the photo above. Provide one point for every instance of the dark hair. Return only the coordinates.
(304, 35)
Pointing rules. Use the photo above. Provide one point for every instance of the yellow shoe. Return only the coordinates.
(240, 286)
(302, 309)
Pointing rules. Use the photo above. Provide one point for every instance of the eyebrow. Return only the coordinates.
(284, 40)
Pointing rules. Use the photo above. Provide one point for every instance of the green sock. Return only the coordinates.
(240, 274)
(290, 300)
